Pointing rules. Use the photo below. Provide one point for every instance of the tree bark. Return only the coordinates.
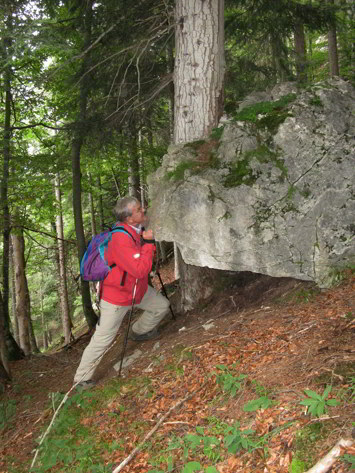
(63, 287)
(300, 50)
(198, 101)
(13, 297)
(92, 207)
(14, 351)
(199, 68)
(133, 170)
(5, 373)
(44, 324)
(100, 204)
(22, 306)
(76, 146)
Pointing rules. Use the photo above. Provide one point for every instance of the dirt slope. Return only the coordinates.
(283, 335)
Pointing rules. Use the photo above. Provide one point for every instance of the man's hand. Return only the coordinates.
(148, 235)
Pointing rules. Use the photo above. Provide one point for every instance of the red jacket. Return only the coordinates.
(131, 256)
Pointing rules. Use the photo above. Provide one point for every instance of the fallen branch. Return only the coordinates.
(65, 399)
(330, 458)
(155, 428)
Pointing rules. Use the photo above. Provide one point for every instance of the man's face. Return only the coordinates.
(137, 216)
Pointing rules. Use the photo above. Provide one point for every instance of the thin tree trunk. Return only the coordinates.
(14, 351)
(13, 296)
(333, 47)
(5, 373)
(133, 170)
(141, 169)
(280, 59)
(100, 204)
(44, 325)
(31, 334)
(300, 50)
(92, 207)
(63, 287)
(22, 313)
(76, 146)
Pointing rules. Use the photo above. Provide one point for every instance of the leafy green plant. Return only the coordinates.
(348, 458)
(262, 402)
(193, 466)
(260, 389)
(317, 404)
(230, 384)
(7, 412)
(237, 439)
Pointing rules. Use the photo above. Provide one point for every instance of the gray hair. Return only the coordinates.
(123, 208)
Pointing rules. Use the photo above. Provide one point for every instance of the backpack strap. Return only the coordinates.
(122, 230)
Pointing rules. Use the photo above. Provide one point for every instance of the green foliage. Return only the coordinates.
(237, 439)
(262, 402)
(7, 413)
(349, 458)
(316, 101)
(61, 446)
(317, 404)
(230, 384)
(217, 133)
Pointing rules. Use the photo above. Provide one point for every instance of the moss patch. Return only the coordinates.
(267, 114)
(242, 173)
(305, 446)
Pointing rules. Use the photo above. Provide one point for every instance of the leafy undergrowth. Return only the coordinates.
(264, 387)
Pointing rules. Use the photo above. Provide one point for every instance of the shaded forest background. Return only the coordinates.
(87, 99)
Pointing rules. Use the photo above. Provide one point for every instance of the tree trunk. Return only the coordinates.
(13, 297)
(5, 373)
(198, 102)
(76, 146)
(333, 47)
(92, 207)
(300, 50)
(22, 313)
(280, 59)
(31, 333)
(133, 170)
(63, 287)
(199, 68)
(14, 351)
(100, 205)
(44, 324)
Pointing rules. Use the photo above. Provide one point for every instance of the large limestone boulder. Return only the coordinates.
(273, 195)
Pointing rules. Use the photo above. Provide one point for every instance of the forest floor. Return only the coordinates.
(218, 391)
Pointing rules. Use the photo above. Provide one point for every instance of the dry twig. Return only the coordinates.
(155, 428)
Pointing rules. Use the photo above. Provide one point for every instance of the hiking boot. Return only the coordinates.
(84, 385)
(144, 336)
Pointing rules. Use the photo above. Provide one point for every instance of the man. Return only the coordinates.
(133, 255)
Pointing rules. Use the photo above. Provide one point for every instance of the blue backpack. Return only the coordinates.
(93, 265)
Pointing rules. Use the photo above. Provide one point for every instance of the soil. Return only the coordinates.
(285, 335)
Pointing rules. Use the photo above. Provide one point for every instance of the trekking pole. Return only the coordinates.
(165, 294)
(161, 281)
(128, 326)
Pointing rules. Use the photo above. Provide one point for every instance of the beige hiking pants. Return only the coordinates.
(155, 307)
